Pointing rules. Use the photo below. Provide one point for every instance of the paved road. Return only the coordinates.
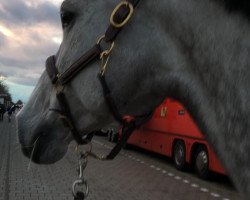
(133, 175)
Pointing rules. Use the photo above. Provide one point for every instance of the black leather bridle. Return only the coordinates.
(118, 19)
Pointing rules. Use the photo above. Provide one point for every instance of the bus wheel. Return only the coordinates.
(201, 162)
(179, 155)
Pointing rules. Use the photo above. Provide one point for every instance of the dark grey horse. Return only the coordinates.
(194, 51)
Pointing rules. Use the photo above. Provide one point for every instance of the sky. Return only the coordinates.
(30, 31)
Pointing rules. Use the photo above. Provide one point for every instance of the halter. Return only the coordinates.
(118, 19)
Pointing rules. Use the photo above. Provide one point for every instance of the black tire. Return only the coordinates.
(179, 155)
(201, 162)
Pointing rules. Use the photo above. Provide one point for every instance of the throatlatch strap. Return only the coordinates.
(109, 99)
(127, 130)
(127, 126)
(126, 133)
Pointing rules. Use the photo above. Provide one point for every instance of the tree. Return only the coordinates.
(4, 90)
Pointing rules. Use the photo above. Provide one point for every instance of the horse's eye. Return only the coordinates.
(66, 18)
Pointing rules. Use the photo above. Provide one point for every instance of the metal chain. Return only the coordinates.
(80, 187)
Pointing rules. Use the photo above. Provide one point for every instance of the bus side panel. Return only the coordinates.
(162, 143)
(171, 122)
(134, 138)
(145, 140)
(180, 122)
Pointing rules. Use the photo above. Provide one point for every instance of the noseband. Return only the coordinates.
(119, 17)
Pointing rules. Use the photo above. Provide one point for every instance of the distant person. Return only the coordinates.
(13, 108)
(2, 111)
(10, 110)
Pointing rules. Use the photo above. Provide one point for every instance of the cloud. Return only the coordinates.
(2, 40)
(30, 31)
(28, 49)
(26, 45)
(17, 12)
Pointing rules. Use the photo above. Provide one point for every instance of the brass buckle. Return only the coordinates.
(104, 56)
(125, 21)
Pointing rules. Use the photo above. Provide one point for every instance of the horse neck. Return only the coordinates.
(206, 32)
(214, 45)
(210, 74)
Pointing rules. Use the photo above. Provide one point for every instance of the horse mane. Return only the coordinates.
(239, 6)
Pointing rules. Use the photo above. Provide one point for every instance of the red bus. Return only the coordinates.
(172, 132)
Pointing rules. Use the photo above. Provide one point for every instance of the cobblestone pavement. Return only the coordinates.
(131, 176)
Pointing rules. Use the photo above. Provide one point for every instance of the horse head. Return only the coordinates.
(195, 52)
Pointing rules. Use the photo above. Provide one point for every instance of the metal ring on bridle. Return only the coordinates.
(80, 182)
(125, 21)
(78, 151)
(107, 51)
